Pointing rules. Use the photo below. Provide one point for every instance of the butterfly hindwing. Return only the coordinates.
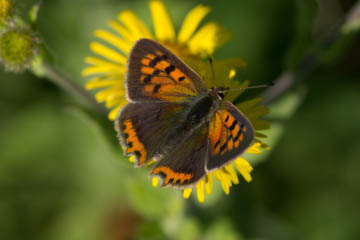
(230, 134)
(185, 165)
(154, 73)
(143, 128)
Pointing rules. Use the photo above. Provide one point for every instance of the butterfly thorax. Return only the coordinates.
(202, 109)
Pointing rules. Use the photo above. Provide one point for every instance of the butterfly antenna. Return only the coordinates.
(250, 87)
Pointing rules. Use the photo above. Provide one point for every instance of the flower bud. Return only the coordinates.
(17, 49)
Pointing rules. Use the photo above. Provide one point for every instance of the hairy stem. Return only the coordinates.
(308, 64)
(72, 88)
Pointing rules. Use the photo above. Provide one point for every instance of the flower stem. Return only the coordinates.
(53, 75)
(308, 64)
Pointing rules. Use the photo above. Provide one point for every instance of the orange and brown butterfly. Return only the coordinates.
(173, 119)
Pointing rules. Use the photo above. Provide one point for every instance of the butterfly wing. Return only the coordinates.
(156, 74)
(144, 128)
(230, 134)
(184, 166)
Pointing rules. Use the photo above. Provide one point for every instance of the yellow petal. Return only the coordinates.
(122, 31)
(208, 183)
(152, 161)
(102, 66)
(254, 149)
(134, 25)
(110, 93)
(191, 22)
(163, 27)
(226, 177)
(101, 83)
(98, 61)
(114, 40)
(132, 158)
(225, 186)
(155, 181)
(208, 38)
(115, 99)
(217, 175)
(234, 178)
(224, 180)
(113, 113)
(200, 191)
(187, 193)
(244, 168)
(108, 53)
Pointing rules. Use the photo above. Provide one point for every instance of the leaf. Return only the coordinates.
(280, 112)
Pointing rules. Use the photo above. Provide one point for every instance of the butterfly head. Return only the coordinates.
(218, 93)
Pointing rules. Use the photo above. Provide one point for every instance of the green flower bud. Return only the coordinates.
(6, 7)
(17, 49)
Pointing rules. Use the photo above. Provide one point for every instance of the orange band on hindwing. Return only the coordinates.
(226, 133)
(171, 176)
(133, 144)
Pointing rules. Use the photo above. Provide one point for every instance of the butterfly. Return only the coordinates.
(173, 119)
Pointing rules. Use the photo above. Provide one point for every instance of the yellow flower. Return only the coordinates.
(191, 44)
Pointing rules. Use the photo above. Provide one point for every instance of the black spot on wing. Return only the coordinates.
(169, 69)
(223, 147)
(233, 125)
(155, 72)
(182, 78)
(137, 154)
(156, 88)
(147, 79)
(239, 133)
(156, 60)
(216, 144)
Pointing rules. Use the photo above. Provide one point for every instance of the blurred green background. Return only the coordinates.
(60, 177)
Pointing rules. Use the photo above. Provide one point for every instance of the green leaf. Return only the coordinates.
(280, 112)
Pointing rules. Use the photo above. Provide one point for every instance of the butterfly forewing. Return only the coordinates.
(230, 134)
(155, 74)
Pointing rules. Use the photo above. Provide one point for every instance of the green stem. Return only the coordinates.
(311, 61)
(72, 88)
